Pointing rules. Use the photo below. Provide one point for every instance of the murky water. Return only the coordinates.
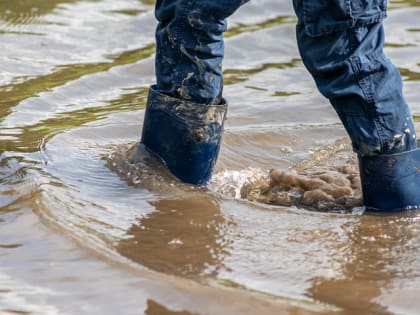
(88, 228)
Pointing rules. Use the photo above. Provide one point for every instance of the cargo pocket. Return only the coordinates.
(322, 17)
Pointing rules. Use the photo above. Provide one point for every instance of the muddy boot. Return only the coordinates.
(391, 182)
(184, 135)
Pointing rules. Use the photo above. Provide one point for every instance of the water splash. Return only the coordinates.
(139, 168)
(328, 181)
(322, 189)
(230, 183)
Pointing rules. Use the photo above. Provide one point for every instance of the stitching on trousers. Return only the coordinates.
(366, 88)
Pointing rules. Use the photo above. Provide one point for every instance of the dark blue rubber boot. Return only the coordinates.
(391, 182)
(184, 135)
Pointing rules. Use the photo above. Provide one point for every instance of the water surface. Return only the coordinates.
(86, 231)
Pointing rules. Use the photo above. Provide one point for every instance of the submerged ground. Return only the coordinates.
(83, 230)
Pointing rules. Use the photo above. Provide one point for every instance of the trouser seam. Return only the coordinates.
(366, 88)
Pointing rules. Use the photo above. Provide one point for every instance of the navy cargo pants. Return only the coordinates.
(341, 44)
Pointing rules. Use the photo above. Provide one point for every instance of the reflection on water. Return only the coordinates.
(182, 237)
(245, 28)
(27, 11)
(154, 308)
(13, 94)
(33, 137)
(86, 214)
(233, 76)
(403, 4)
(378, 249)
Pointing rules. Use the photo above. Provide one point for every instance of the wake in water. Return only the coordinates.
(328, 181)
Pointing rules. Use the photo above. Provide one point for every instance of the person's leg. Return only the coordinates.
(341, 44)
(185, 111)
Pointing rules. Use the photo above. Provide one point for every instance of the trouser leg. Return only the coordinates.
(341, 44)
(185, 112)
(190, 49)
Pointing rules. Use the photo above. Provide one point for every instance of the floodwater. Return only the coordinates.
(84, 230)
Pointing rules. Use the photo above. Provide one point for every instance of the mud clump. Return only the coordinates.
(322, 188)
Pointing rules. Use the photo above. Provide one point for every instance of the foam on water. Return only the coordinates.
(328, 181)
(231, 183)
(319, 188)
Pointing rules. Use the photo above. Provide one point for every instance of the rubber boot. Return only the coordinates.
(391, 182)
(184, 135)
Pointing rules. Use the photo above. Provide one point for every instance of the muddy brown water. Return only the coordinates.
(88, 228)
